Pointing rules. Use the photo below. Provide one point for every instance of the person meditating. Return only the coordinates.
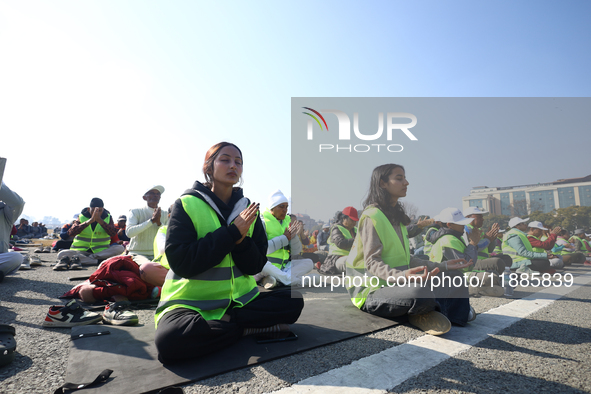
(215, 242)
(397, 284)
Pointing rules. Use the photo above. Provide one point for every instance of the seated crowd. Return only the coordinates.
(203, 257)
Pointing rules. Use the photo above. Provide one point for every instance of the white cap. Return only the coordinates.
(515, 221)
(453, 215)
(474, 211)
(536, 224)
(277, 198)
(156, 187)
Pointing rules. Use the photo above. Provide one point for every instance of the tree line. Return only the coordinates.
(570, 218)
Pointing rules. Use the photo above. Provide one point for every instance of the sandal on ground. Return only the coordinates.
(7, 344)
(432, 323)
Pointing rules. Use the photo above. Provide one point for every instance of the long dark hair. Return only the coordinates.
(210, 157)
(381, 198)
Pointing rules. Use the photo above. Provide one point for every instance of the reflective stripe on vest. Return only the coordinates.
(213, 291)
(447, 241)
(280, 257)
(95, 240)
(333, 248)
(393, 253)
(160, 258)
(507, 249)
(452, 242)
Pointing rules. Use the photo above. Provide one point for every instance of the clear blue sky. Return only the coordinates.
(106, 98)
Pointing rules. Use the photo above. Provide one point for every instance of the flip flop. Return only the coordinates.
(7, 344)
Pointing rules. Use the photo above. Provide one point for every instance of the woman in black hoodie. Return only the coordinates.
(215, 242)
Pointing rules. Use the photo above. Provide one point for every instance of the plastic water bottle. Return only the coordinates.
(506, 279)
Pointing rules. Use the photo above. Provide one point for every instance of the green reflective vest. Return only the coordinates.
(274, 228)
(498, 249)
(95, 240)
(333, 248)
(213, 291)
(160, 258)
(447, 241)
(536, 249)
(583, 246)
(562, 252)
(512, 252)
(427, 246)
(394, 253)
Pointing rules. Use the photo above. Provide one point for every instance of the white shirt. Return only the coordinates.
(142, 231)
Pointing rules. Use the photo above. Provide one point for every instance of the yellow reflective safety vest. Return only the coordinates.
(95, 240)
(333, 248)
(562, 252)
(427, 246)
(498, 249)
(507, 249)
(213, 291)
(447, 241)
(583, 246)
(160, 258)
(274, 228)
(537, 249)
(394, 253)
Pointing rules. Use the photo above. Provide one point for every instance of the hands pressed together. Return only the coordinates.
(493, 232)
(294, 229)
(246, 219)
(96, 215)
(156, 216)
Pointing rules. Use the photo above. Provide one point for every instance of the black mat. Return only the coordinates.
(327, 317)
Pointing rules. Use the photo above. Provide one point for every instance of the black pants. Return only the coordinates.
(61, 244)
(540, 264)
(494, 264)
(184, 334)
(506, 258)
(573, 258)
(396, 301)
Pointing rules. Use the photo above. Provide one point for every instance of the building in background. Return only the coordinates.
(525, 199)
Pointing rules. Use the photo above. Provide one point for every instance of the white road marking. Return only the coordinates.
(375, 374)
